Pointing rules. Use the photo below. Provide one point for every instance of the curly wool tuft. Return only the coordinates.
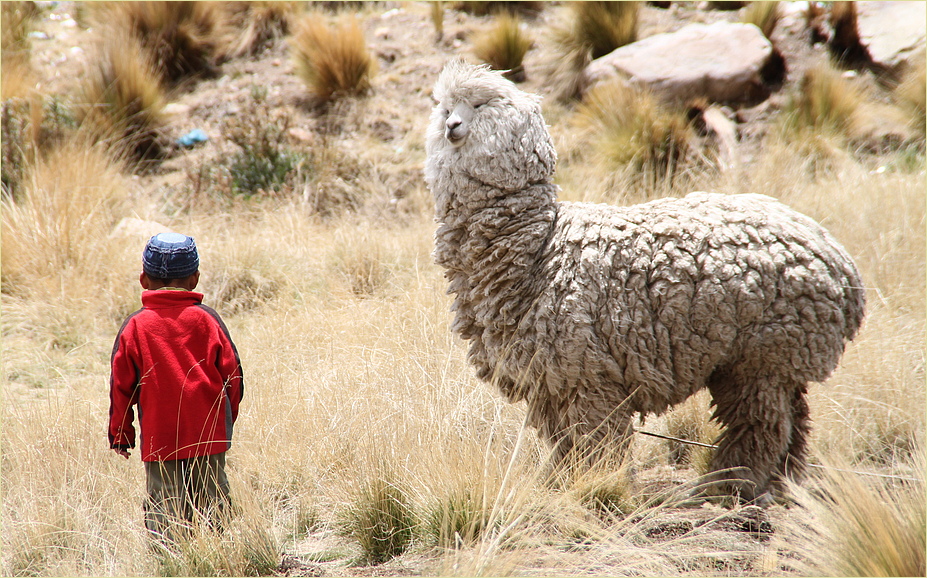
(594, 313)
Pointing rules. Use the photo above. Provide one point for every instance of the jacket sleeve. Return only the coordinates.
(123, 391)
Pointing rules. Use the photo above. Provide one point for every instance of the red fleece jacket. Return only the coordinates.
(175, 359)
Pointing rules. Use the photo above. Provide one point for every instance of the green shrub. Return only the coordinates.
(461, 518)
(264, 162)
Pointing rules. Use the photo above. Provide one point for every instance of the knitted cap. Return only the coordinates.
(170, 256)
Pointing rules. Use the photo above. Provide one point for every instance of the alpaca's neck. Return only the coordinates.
(488, 227)
(492, 252)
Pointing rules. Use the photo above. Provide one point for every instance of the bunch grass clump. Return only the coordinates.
(333, 61)
(253, 24)
(595, 29)
(122, 100)
(631, 129)
(691, 421)
(182, 40)
(381, 519)
(601, 27)
(264, 161)
(911, 93)
(856, 525)
(70, 196)
(16, 21)
(504, 46)
(764, 15)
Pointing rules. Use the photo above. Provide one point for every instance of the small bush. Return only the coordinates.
(597, 28)
(122, 100)
(332, 61)
(764, 15)
(71, 196)
(29, 127)
(264, 162)
(504, 46)
(381, 519)
(692, 422)
(630, 128)
(487, 8)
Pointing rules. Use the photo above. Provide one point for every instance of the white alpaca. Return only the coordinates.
(593, 313)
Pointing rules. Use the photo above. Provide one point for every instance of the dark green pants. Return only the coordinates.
(184, 493)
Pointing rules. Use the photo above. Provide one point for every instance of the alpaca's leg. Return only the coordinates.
(757, 414)
(794, 463)
(606, 439)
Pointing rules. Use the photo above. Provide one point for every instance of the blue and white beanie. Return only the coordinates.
(170, 256)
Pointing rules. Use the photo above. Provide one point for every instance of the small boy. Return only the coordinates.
(175, 359)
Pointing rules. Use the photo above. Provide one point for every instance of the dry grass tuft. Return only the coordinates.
(912, 93)
(487, 8)
(15, 22)
(182, 40)
(601, 27)
(255, 23)
(823, 108)
(122, 99)
(70, 197)
(764, 15)
(692, 421)
(333, 61)
(381, 519)
(631, 129)
(504, 46)
(855, 525)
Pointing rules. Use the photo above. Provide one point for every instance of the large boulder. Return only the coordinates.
(721, 62)
(892, 32)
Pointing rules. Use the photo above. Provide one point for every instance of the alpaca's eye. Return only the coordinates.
(480, 105)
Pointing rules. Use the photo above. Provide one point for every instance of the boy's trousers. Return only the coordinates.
(185, 492)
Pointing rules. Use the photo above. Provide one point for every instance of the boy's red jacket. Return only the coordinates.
(174, 357)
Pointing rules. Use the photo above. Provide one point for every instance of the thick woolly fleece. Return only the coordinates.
(594, 313)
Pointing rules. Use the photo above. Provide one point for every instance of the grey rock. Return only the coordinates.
(892, 32)
(721, 62)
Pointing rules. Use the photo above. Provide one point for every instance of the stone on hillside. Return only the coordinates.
(892, 32)
(721, 62)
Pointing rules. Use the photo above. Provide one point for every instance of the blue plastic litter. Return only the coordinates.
(192, 138)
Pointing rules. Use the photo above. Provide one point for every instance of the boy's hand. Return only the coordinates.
(122, 452)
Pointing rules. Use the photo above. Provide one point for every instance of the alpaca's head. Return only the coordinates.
(487, 129)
